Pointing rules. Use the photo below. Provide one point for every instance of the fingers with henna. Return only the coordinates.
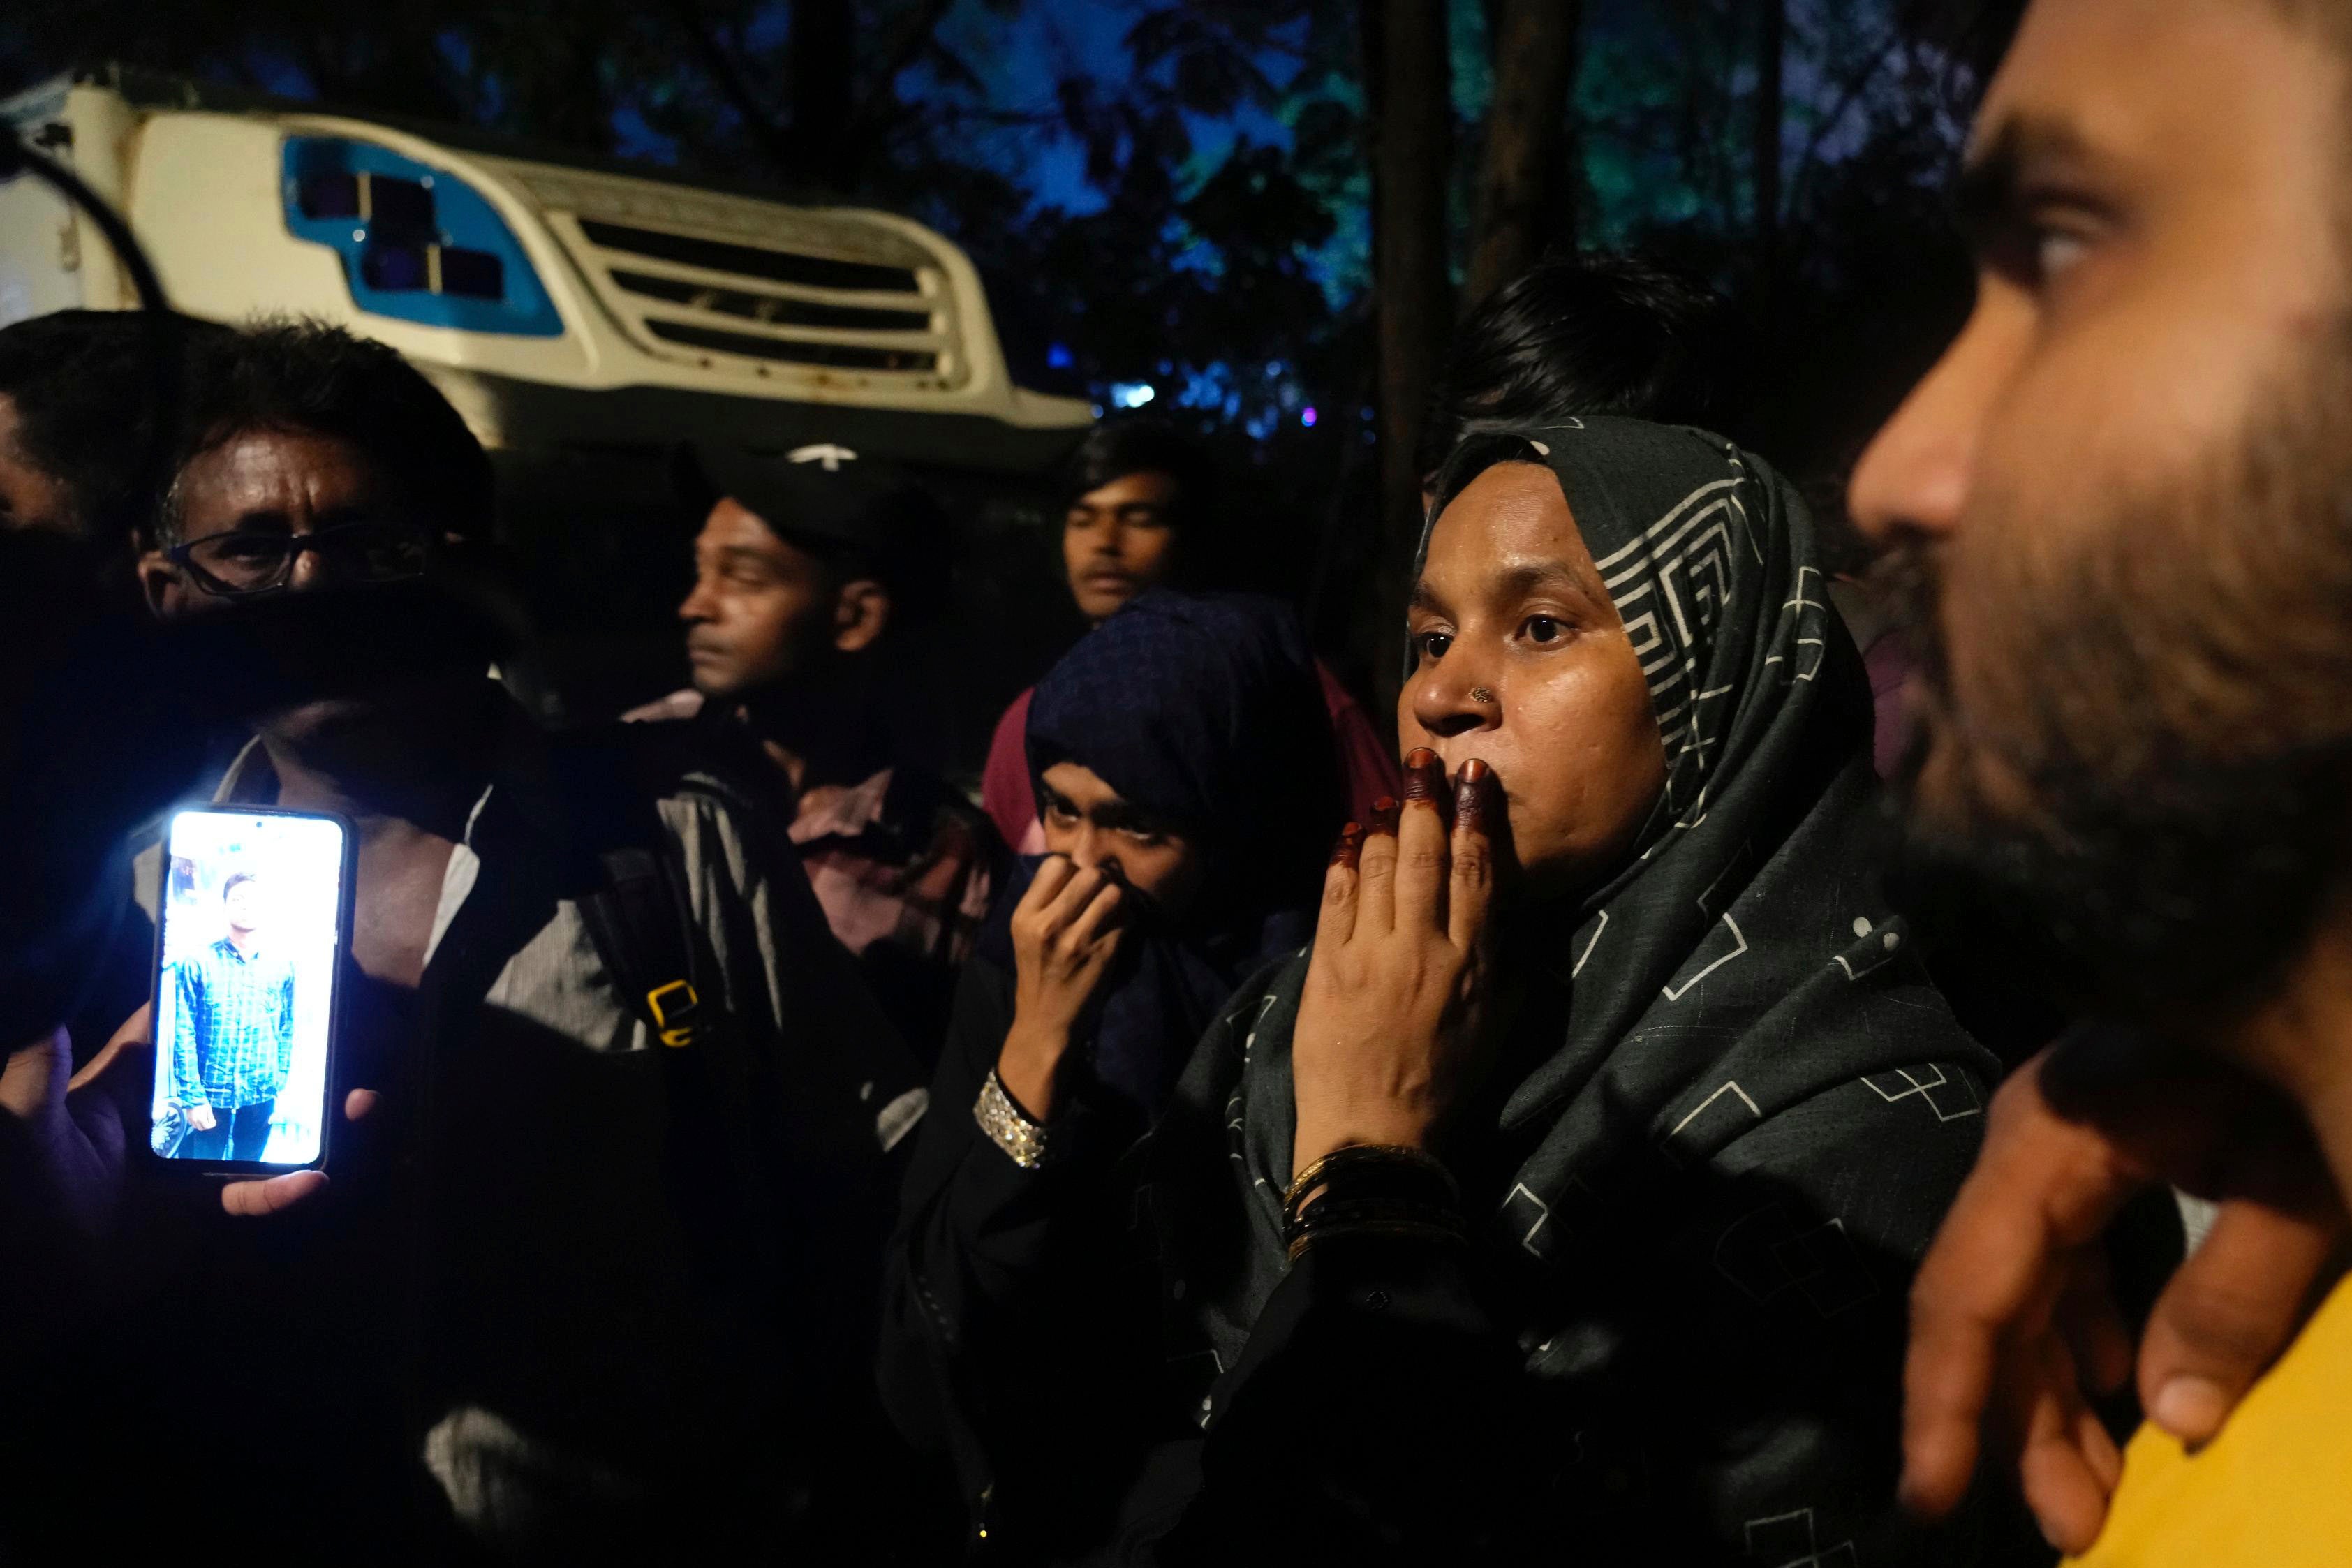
(1336, 921)
(1424, 778)
(1422, 830)
(1472, 873)
(1376, 869)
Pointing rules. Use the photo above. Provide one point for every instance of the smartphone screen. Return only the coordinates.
(255, 912)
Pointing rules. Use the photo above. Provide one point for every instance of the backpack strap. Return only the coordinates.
(642, 923)
(633, 897)
(634, 901)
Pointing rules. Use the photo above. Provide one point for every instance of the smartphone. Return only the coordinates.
(255, 914)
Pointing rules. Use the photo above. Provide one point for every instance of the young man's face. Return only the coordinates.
(1521, 660)
(244, 906)
(1119, 539)
(763, 610)
(2124, 491)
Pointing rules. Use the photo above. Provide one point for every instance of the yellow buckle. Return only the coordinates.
(681, 1033)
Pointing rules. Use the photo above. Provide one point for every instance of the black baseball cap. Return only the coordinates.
(824, 496)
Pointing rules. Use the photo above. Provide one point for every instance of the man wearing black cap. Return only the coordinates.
(804, 565)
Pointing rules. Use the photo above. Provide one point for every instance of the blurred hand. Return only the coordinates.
(111, 1098)
(2011, 1320)
(1065, 931)
(66, 1163)
(1388, 1036)
(200, 1117)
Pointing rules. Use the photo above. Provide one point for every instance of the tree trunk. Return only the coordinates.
(1409, 91)
(1522, 178)
(1774, 21)
(822, 71)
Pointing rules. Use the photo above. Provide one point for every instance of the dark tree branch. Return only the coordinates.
(765, 130)
(907, 41)
(1519, 175)
(1772, 27)
(1409, 92)
(979, 114)
(1848, 96)
(822, 62)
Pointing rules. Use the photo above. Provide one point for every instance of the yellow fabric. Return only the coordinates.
(2273, 1490)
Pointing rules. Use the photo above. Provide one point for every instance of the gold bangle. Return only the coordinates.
(1307, 1180)
(1008, 1126)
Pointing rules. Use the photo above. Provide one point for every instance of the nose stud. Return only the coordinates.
(1480, 694)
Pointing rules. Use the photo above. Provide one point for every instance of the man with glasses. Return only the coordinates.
(601, 1310)
(261, 560)
(290, 479)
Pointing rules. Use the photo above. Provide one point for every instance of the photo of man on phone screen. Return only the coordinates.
(233, 1034)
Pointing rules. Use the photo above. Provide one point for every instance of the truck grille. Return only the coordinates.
(770, 309)
(750, 260)
(750, 288)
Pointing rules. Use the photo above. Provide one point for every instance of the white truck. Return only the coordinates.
(582, 317)
(551, 301)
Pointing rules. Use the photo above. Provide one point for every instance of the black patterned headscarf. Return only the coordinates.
(1741, 961)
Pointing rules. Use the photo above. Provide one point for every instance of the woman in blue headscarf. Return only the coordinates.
(1184, 791)
(1186, 784)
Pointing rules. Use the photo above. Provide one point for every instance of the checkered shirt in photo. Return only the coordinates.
(233, 1032)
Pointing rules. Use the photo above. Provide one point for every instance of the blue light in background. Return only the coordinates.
(1132, 393)
(1058, 356)
(634, 138)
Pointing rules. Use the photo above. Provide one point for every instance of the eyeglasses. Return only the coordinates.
(236, 565)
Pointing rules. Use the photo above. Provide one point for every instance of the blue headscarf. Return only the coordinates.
(1205, 709)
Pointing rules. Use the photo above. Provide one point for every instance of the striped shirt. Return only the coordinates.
(233, 1027)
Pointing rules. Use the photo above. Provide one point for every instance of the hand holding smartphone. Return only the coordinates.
(255, 913)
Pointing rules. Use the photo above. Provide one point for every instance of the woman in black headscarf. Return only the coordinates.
(1655, 1150)
(1185, 782)
(1560, 1205)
